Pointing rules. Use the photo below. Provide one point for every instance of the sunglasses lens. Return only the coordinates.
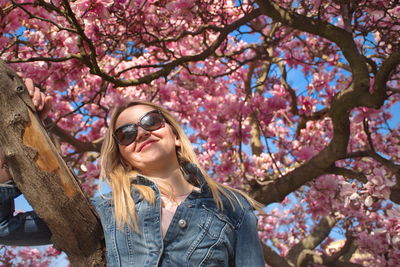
(126, 134)
(152, 121)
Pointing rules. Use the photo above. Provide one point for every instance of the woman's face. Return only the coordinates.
(152, 151)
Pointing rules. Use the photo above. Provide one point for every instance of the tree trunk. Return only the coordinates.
(44, 178)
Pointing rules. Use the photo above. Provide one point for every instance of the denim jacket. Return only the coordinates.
(199, 234)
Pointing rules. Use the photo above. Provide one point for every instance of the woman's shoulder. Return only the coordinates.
(101, 200)
(235, 198)
(235, 206)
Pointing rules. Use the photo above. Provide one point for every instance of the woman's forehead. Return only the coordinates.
(132, 114)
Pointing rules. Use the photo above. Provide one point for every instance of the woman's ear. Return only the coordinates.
(177, 141)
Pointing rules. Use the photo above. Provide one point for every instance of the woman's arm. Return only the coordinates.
(23, 229)
(248, 250)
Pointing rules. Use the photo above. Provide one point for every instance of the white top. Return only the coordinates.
(168, 210)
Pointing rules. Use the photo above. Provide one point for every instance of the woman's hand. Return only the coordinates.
(4, 173)
(41, 102)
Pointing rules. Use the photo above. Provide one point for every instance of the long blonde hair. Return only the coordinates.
(117, 174)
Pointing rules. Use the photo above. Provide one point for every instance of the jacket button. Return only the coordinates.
(182, 223)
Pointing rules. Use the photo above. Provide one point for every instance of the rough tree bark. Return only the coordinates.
(44, 178)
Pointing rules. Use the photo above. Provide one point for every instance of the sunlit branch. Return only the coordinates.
(309, 256)
(273, 259)
(318, 234)
(347, 248)
(7, 9)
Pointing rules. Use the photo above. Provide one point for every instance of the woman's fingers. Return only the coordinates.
(37, 99)
(4, 173)
(42, 103)
(34, 92)
(2, 158)
(47, 105)
(30, 86)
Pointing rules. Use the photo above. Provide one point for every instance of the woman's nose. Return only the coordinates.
(142, 134)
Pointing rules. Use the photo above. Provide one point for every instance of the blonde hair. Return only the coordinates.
(117, 174)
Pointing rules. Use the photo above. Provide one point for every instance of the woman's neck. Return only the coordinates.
(174, 178)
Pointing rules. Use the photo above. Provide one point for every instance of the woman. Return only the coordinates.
(163, 209)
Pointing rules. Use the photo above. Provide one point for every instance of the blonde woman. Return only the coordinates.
(163, 208)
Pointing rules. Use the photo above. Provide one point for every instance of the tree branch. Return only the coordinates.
(381, 78)
(394, 168)
(337, 35)
(273, 259)
(256, 146)
(44, 178)
(344, 250)
(319, 233)
(342, 103)
(91, 61)
(31, 16)
(311, 256)
(65, 137)
(349, 173)
(46, 59)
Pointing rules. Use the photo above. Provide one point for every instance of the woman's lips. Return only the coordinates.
(146, 144)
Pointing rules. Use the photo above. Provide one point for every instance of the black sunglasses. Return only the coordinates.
(151, 121)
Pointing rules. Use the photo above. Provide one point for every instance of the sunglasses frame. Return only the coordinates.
(139, 124)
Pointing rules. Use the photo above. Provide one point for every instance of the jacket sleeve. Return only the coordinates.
(23, 229)
(248, 250)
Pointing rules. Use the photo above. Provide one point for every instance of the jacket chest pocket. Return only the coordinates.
(215, 223)
(214, 240)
